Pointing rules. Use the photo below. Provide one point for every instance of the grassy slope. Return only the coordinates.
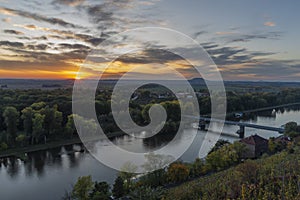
(253, 179)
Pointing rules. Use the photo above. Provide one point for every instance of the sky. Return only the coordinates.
(247, 40)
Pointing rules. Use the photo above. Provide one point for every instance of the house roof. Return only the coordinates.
(254, 140)
(282, 138)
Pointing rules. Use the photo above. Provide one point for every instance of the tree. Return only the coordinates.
(49, 114)
(218, 145)
(70, 125)
(11, 117)
(173, 110)
(38, 106)
(290, 129)
(27, 115)
(58, 118)
(37, 127)
(127, 172)
(118, 187)
(20, 139)
(189, 108)
(100, 191)
(155, 165)
(225, 157)
(145, 112)
(3, 146)
(83, 188)
(197, 168)
(177, 172)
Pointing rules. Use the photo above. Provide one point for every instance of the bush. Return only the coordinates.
(3, 146)
(177, 172)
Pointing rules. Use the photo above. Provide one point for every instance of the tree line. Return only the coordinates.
(39, 116)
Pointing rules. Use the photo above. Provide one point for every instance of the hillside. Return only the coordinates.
(274, 177)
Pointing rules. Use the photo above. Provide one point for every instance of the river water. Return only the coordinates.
(48, 174)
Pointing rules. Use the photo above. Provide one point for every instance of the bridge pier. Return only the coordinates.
(202, 125)
(241, 132)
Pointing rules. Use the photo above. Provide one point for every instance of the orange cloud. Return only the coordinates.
(269, 24)
(7, 12)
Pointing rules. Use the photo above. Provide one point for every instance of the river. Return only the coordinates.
(48, 174)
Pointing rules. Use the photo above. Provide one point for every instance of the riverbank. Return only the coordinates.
(20, 151)
(17, 152)
(265, 108)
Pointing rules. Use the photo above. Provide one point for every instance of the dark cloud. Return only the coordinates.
(11, 44)
(38, 47)
(249, 37)
(69, 2)
(101, 15)
(209, 45)
(66, 35)
(24, 38)
(38, 53)
(94, 41)
(264, 70)
(37, 17)
(40, 38)
(110, 15)
(199, 33)
(148, 56)
(13, 32)
(64, 46)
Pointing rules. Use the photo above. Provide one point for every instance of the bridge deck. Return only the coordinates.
(269, 128)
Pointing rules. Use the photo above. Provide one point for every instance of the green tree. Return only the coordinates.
(177, 172)
(38, 106)
(37, 128)
(173, 110)
(20, 139)
(218, 145)
(127, 173)
(57, 125)
(27, 116)
(70, 125)
(145, 113)
(290, 129)
(11, 118)
(49, 114)
(100, 191)
(3, 146)
(83, 188)
(118, 187)
(225, 157)
(197, 168)
(189, 108)
(155, 164)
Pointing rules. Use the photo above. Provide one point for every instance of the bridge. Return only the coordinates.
(242, 125)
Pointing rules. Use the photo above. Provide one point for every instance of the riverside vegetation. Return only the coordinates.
(224, 174)
(30, 117)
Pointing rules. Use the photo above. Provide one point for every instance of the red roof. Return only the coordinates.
(254, 140)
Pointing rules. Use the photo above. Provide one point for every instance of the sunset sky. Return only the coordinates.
(248, 40)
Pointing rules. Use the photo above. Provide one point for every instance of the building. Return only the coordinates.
(255, 146)
(283, 139)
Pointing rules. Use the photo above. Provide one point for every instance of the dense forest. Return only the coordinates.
(40, 116)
